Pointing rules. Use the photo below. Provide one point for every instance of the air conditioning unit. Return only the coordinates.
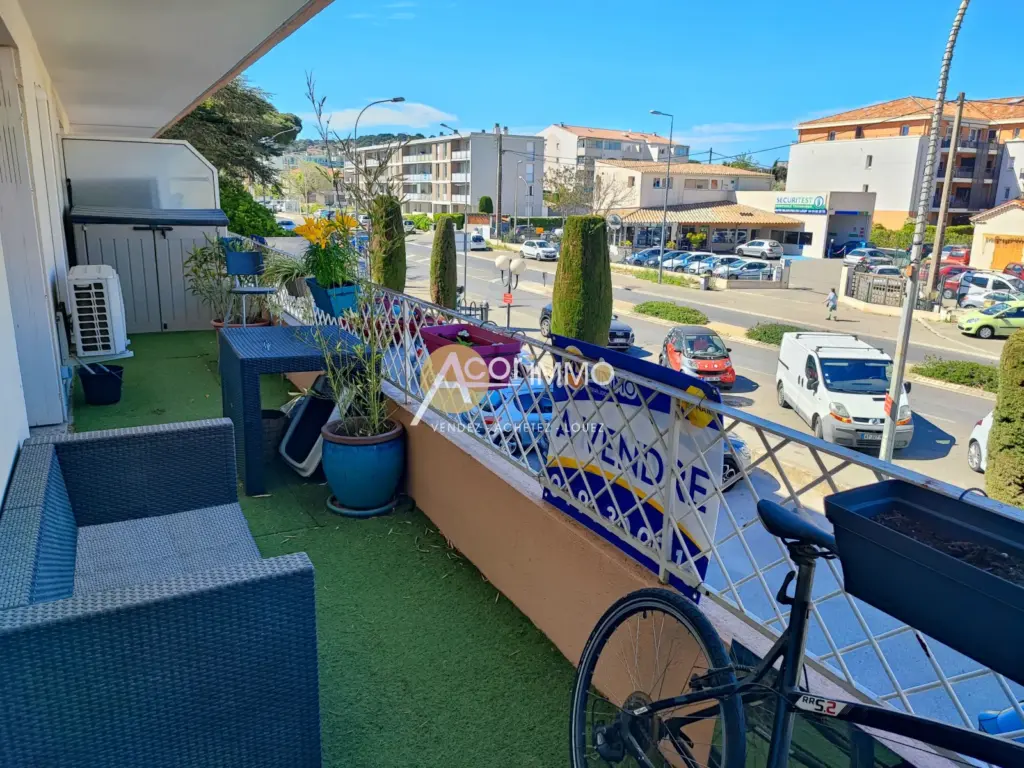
(97, 309)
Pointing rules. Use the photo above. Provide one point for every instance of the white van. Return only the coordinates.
(838, 384)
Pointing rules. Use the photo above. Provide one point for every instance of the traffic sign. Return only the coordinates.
(507, 299)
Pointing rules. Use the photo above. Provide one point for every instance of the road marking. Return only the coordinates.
(935, 418)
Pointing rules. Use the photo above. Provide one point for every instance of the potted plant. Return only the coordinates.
(486, 343)
(363, 450)
(331, 264)
(208, 279)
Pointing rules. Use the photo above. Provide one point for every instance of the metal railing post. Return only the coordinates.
(407, 365)
(668, 505)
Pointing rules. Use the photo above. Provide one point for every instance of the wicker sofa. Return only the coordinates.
(139, 625)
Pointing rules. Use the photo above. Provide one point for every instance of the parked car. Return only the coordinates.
(620, 335)
(997, 320)
(841, 249)
(698, 351)
(287, 224)
(682, 259)
(858, 255)
(708, 265)
(730, 466)
(765, 249)
(977, 445)
(409, 226)
(886, 270)
(640, 258)
(327, 213)
(982, 300)
(978, 283)
(747, 269)
(949, 274)
(364, 220)
(520, 411)
(961, 254)
(1014, 268)
(837, 384)
(541, 250)
(477, 243)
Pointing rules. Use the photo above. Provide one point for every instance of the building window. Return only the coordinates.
(657, 182)
(616, 145)
(531, 149)
(631, 182)
(867, 161)
(859, 133)
(904, 130)
(690, 184)
(865, 188)
(991, 135)
(1006, 194)
(529, 191)
(806, 238)
(791, 238)
(714, 183)
(529, 173)
(1016, 133)
(973, 134)
(831, 135)
(681, 151)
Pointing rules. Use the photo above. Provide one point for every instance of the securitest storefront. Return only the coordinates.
(827, 218)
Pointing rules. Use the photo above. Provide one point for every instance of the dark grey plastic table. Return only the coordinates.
(245, 354)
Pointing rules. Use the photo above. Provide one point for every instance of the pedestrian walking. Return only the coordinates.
(832, 303)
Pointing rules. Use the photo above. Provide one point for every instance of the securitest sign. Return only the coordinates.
(813, 204)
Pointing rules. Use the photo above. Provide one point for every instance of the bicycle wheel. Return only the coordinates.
(650, 645)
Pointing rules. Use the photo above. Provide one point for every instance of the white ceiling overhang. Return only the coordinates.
(134, 67)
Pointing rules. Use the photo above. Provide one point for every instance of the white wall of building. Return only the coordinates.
(891, 172)
(1009, 222)
(1010, 184)
(517, 160)
(843, 216)
(635, 189)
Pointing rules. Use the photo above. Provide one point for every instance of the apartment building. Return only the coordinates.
(731, 206)
(882, 148)
(449, 174)
(580, 147)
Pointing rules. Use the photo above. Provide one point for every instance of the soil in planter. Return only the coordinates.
(1002, 564)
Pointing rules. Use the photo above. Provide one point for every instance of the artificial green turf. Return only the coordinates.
(422, 661)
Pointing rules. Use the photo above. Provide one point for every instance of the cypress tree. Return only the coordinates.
(443, 269)
(582, 295)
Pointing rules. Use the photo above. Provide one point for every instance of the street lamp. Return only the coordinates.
(515, 199)
(355, 135)
(514, 267)
(668, 182)
(465, 230)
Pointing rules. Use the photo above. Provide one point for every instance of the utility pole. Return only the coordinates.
(940, 224)
(515, 198)
(497, 193)
(668, 183)
(895, 396)
(711, 153)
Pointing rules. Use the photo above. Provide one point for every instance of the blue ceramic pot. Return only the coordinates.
(363, 472)
(333, 301)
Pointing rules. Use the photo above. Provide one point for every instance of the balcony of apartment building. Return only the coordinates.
(416, 156)
(965, 144)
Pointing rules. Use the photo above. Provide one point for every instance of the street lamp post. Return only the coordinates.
(510, 268)
(465, 232)
(668, 183)
(515, 200)
(355, 135)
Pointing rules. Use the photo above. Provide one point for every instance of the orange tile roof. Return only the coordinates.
(920, 107)
(611, 133)
(714, 212)
(681, 169)
(993, 212)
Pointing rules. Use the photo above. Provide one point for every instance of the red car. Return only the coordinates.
(1014, 268)
(698, 351)
(958, 253)
(950, 277)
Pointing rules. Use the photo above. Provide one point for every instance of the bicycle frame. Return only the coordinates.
(789, 698)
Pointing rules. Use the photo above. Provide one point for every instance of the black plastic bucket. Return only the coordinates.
(101, 384)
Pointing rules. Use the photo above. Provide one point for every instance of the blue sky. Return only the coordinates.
(738, 74)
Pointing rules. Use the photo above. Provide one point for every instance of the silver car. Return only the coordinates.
(873, 256)
(764, 249)
(541, 250)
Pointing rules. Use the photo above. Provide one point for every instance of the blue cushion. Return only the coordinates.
(151, 549)
(38, 534)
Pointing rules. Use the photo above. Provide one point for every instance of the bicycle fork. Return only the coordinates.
(792, 660)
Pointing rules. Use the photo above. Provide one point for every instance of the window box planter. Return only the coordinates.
(948, 568)
(488, 344)
(333, 301)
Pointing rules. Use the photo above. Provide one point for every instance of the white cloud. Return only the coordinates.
(360, 16)
(402, 115)
(401, 16)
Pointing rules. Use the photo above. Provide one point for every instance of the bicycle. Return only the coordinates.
(704, 725)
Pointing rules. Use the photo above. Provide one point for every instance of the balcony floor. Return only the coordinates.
(422, 662)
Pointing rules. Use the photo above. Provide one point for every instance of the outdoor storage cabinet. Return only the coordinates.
(148, 249)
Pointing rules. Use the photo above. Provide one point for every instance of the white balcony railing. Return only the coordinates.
(462, 154)
(869, 654)
(417, 158)
(464, 199)
(418, 177)
(460, 177)
(417, 196)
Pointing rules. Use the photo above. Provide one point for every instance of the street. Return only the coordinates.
(943, 419)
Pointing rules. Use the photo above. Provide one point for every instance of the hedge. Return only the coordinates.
(771, 333)
(968, 374)
(443, 269)
(582, 294)
(1004, 475)
(486, 205)
(904, 238)
(666, 310)
(421, 220)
